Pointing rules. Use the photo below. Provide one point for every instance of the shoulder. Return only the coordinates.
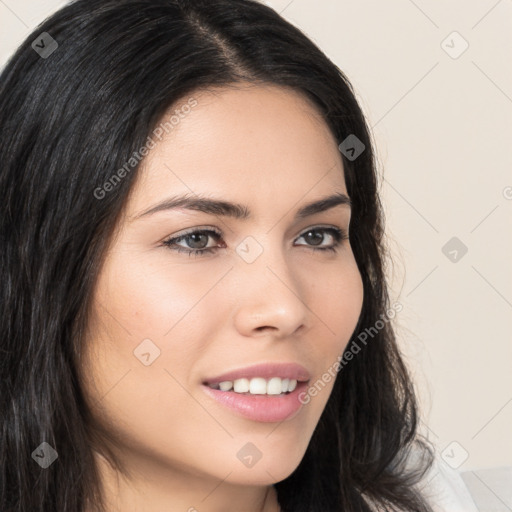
(444, 488)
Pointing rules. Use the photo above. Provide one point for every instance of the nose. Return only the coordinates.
(269, 297)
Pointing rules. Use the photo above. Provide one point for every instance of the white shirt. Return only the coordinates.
(445, 489)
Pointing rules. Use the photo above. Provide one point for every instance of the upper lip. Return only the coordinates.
(265, 370)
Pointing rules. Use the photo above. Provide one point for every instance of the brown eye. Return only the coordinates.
(315, 237)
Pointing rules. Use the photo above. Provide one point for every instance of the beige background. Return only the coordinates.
(443, 125)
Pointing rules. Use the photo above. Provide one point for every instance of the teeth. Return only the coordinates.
(273, 386)
(226, 385)
(258, 386)
(241, 386)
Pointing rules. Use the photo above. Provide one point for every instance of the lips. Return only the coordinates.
(265, 370)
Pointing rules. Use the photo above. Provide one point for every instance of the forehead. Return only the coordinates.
(250, 141)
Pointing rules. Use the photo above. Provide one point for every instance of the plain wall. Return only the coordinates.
(443, 127)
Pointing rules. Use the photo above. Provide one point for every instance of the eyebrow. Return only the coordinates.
(239, 211)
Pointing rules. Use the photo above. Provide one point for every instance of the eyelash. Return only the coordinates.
(338, 234)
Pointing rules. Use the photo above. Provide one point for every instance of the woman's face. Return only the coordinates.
(165, 322)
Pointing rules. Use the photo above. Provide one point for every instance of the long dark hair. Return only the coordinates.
(75, 104)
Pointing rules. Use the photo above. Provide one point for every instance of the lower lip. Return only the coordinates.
(264, 408)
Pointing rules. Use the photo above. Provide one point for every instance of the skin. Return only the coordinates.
(267, 148)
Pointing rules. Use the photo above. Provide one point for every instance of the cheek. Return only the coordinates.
(338, 300)
(150, 298)
(147, 312)
(350, 292)
(338, 296)
(134, 303)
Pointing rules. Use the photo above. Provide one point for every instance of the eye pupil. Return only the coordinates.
(315, 239)
(198, 236)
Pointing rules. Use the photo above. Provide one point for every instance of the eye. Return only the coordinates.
(197, 240)
(337, 234)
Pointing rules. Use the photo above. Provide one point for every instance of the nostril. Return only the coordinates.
(265, 327)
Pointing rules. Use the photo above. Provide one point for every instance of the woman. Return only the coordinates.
(195, 314)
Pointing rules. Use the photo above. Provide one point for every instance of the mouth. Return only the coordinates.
(268, 407)
(271, 379)
(274, 386)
